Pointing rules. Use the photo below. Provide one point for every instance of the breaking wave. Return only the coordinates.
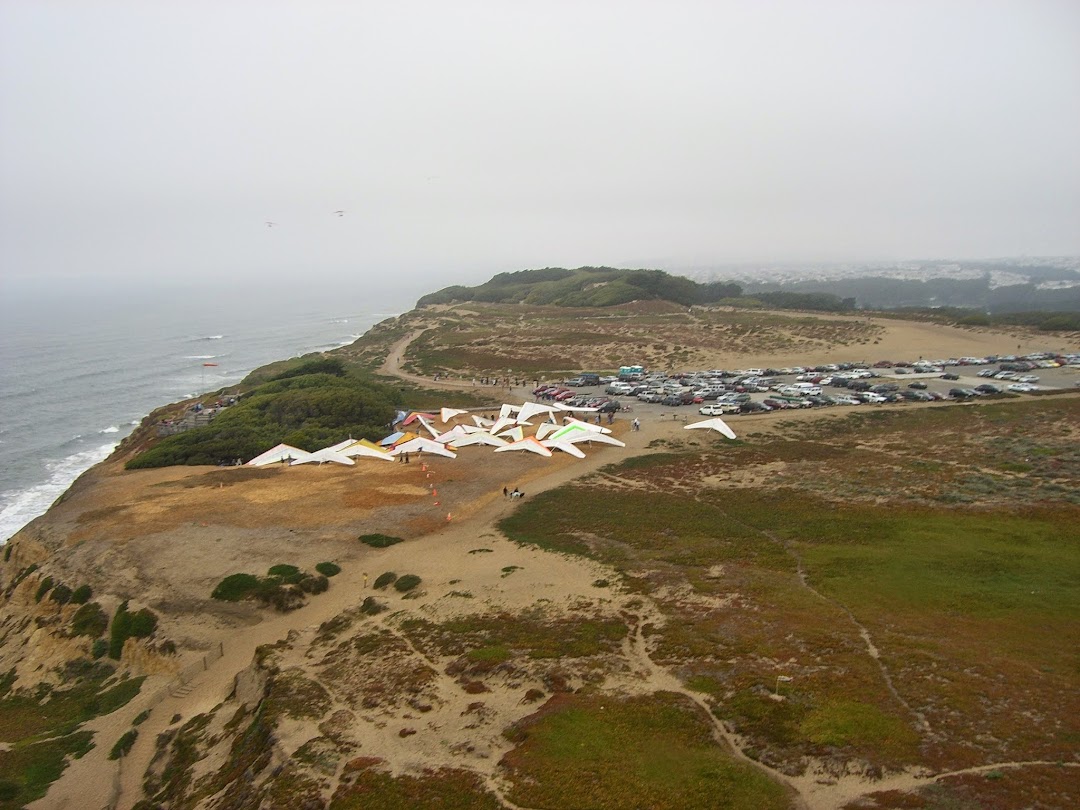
(22, 506)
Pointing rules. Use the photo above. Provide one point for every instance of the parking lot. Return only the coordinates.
(734, 392)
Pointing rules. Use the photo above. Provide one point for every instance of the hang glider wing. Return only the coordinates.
(530, 444)
(324, 456)
(566, 447)
(446, 414)
(420, 444)
(277, 454)
(366, 449)
(716, 424)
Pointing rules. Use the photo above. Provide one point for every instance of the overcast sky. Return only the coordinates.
(156, 138)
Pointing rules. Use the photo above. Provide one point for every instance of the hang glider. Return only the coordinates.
(566, 447)
(324, 456)
(277, 454)
(530, 409)
(716, 424)
(530, 444)
(478, 438)
(366, 449)
(422, 445)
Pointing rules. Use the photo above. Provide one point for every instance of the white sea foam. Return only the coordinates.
(21, 507)
(200, 356)
(110, 429)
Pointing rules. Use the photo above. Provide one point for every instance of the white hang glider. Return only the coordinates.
(420, 444)
(277, 454)
(566, 447)
(327, 454)
(716, 424)
(446, 414)
(478, 438)
(530, 444)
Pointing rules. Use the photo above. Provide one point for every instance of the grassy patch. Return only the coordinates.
(663, 527)
(27, 770)
(328, 569)
(43, 732)
(858, 725)
(445, 789)
(379, 540)
(531, 635)
(605, 752)
(123, 745)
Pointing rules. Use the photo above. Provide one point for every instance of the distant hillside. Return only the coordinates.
(600, 287)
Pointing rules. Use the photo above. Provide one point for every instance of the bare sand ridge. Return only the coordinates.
(170, 535)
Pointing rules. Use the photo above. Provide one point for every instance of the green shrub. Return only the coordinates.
(123, 745)
(314, 584)
(235, 587)
(143, 623)
(281, 597)
(407, 582)
(328, 569)
(384, 580)
(372, 606)
(7, 552)
(61, 594)
(43, 588)
(127, 625)
(286, 572)
(8, 790)
(118, 631)
(379, 540)
(82, 595)
(89, 620)
(99, 648)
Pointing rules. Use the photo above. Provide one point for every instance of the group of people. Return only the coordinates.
(514, 494)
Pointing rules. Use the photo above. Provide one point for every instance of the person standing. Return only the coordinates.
(636, 424)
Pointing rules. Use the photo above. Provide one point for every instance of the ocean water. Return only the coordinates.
(82, 363)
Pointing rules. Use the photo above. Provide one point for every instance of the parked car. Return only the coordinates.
(1028, 378)
(1022, 388)
(671, 399)
(611, 406)
(988, 388)
(754, 407)
(950, 376)
(718, 409)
